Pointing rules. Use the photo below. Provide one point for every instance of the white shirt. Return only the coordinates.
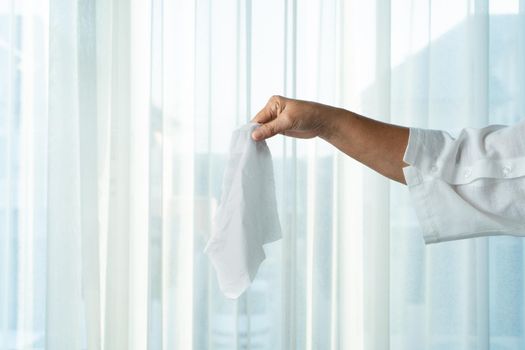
(469, 186)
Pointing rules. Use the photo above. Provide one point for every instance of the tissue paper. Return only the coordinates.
(246, 217)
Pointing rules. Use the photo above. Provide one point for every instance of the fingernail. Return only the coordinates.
(256, 135)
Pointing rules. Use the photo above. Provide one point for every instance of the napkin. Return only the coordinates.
(246, 217)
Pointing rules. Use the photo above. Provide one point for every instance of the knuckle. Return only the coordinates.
(276, 98)
(276, 103)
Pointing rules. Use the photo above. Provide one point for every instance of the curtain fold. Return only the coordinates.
(115, 119)
(88, 153)
(63, 271)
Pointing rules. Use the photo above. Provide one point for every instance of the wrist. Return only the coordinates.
(334, 125)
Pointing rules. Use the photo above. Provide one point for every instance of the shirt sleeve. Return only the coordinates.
(469, 186)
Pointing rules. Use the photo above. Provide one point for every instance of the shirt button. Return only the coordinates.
(434, 169)
(506, 171)
(467, 173)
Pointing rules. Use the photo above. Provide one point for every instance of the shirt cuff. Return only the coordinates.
(420, 200)
(417, 187)
(412, 151)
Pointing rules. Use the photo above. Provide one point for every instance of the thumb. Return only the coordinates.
(278, 125)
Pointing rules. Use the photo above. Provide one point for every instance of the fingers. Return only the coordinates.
(278, 125)
(270, 111)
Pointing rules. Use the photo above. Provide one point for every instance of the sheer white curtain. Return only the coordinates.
(115, 117)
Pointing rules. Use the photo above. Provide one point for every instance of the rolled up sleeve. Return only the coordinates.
(469, 186)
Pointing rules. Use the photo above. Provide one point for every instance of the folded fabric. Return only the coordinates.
(472, 185)
(246, 217)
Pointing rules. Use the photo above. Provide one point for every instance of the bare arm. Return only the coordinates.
(378, 145)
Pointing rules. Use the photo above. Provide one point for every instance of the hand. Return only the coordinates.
(294, 118)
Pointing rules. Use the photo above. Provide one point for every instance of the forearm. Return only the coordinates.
(378, 145)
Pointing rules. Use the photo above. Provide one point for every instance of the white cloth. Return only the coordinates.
(469, 186)
(247, 214)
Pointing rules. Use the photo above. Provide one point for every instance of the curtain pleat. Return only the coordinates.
(8, 113)
(115, 119)
(289, 220)
(143, 179)
(376, 201)
(178, 162)
(479, 37)
(117, 296)
(88, 171)
(63, 283)
(153, 116)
